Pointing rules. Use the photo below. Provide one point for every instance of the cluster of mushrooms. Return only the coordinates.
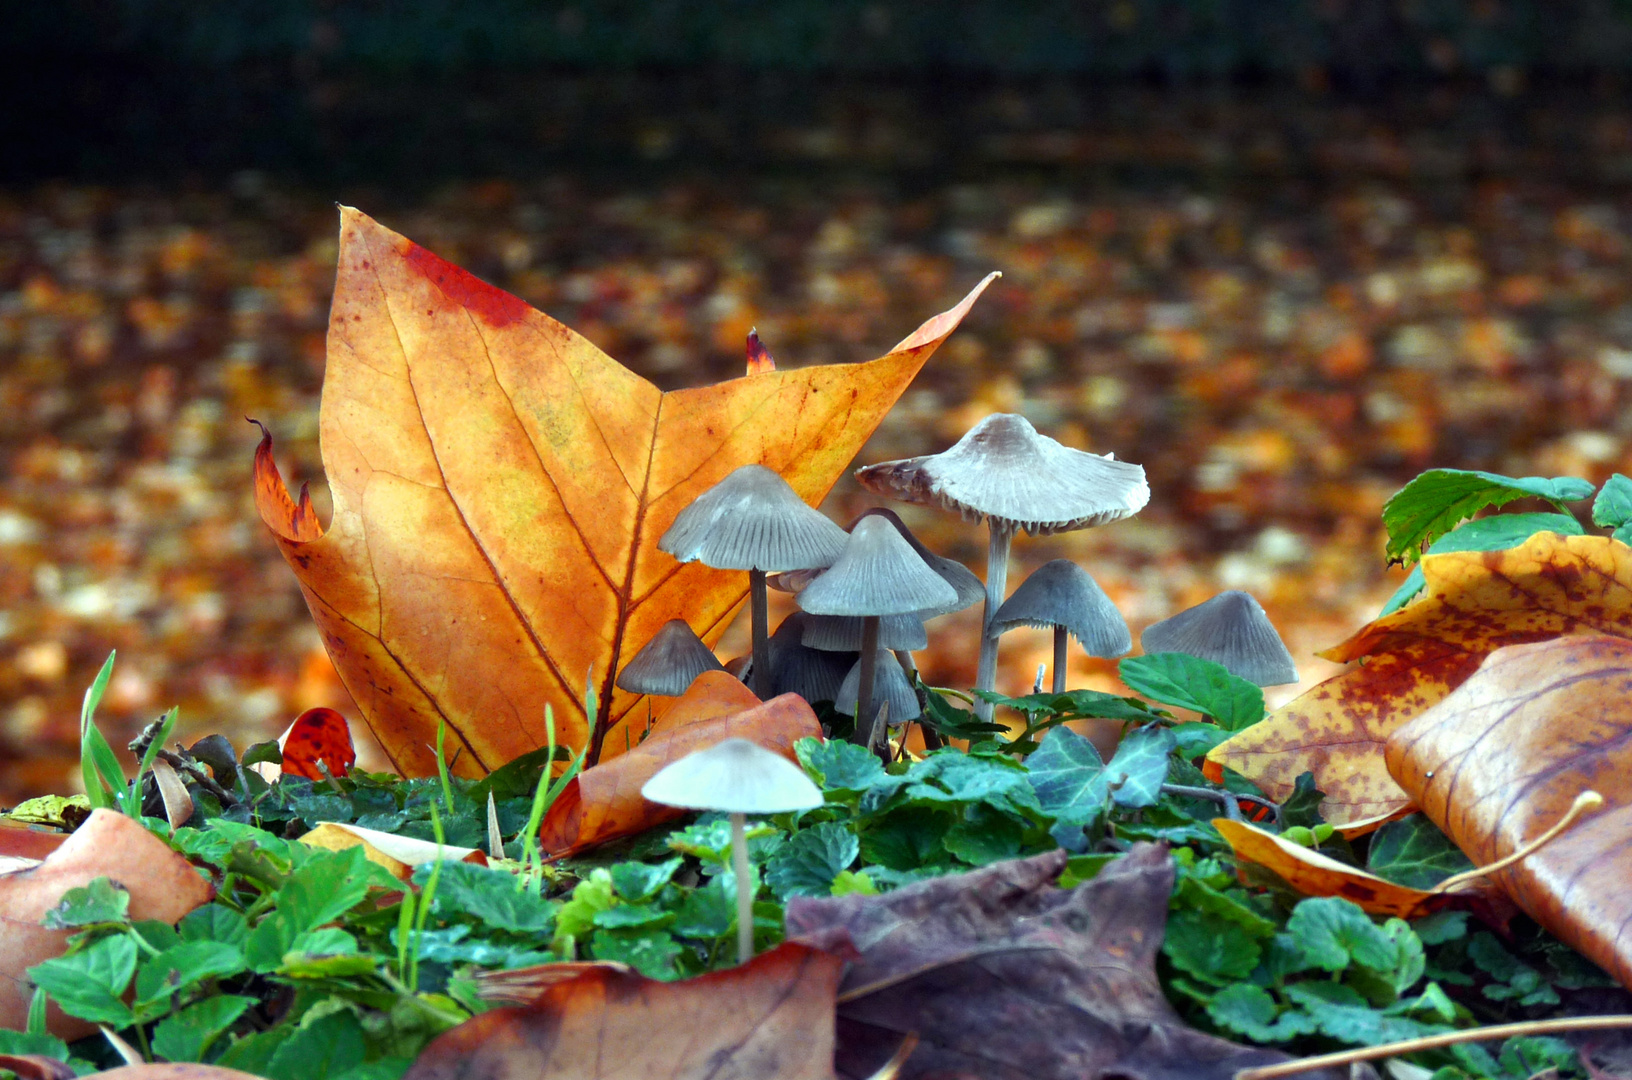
(866, 593)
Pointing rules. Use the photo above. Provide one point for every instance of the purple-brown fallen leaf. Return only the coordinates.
(769, 1019)
(1005, 977)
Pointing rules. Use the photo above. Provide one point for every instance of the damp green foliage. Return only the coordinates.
(1438, 500)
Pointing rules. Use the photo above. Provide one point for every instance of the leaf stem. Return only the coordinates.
(1584, 803)
(1435, 1042)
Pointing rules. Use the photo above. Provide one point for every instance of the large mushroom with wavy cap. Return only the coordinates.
(1004, 472)
(877, 574)
(752, 520)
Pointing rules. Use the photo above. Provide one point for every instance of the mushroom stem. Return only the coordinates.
(1059, 659)
(759, 616)
(864, 684)
(997, 580)
(932, 738)
(745, 890)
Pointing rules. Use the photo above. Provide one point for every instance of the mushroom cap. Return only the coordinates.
(842, 633)
(1004, 471)
(735, 776)
(889, 684)
(752, 520)
(969, 588)
(1061, 593)
(1230, 629)
(669, 662)
(796, 668)
(878, 573)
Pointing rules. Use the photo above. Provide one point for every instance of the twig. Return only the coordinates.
(1434, 1042)
(1226, 799)
(185, 762)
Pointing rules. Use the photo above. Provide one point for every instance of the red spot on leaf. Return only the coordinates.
(318, 735)
(492, 305)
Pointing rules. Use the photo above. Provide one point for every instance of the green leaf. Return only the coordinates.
(1190, 682)
(589, 897)
(1496, 533)
(1612, 509)
(807, 864)
(90, 983)
(1075, 705)
(263, 753)
(986, 835)
(187, 1034)
(708, 912)
(1068, 775)
(253, 1053)
(453, 945)
(1208, 947)
(99, 768)
(494, 897)
(1194, 738)
(1080, 868)
(214, 922)
(635, 881)
(19, 1042)
(1302, 807)
(1333, 931)
(1192, 893)
(325, 1046)
(1250, 1011)
(1431, 505)
(97, 903)
(907, 838)
(652, 953)
(1411, 961)
(330, 884)
(185, 965)
(1342, 1014)
(853, 883)
(632, 916)
(1533, 1055)
(1441, 926)
(1140, 764)
(839, 766)
(1413, 852)
(950, 775)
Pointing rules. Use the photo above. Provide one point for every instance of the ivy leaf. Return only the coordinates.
(1302, 807)
(1496, 533)
(807, 864)
(1075, 705)
(1431, 505)
(97, 903)
(1068, 776)
(839, 766)
(1412, 851)
(1612, 509)
(1208, 947)
(91, 983)
(187, 1034)
(1333, 931)
(1190, 682)
(1140, 763)
(1250, 1011)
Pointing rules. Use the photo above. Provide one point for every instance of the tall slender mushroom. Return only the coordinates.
(752, 520)
(740, 778)
(1060, 594)
(1005, 472)
(877, 574)
(1230, 629)
(669, 662)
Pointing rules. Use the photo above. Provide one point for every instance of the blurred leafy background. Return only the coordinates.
(1284, 255)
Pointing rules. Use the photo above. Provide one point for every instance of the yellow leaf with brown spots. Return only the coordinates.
(1474, 603)
(499, 488)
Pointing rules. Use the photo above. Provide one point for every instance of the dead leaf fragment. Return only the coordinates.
(1502, 758)
(769, 1019)
(499, 487)
(167, 1071)
(604, 802)
(398, 854)
(711, 694)
(36, 1067)
(1474, 603)
(1005, 977)
(162, 886)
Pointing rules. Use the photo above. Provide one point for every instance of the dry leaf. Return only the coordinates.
(166, 1071)
(35, 1067)
(398, 854)
(22, 842)
(1474, 602)
(604, 802)
(162, 886)
(1005, 977)
(499, 487)
(1313, 874)
(318, 735)
(1501, 759)
(769, 1019)
(711, 694)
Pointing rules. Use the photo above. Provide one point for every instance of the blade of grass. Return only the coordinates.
(442, 765)
(104, 777)
(130, 799)
(426, 898)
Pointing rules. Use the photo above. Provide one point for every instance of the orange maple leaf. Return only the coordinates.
(499, 487)
(1474, 602)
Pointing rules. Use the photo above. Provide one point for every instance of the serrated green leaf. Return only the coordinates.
(1136, 772)
(1613, 507)
(807, 864)
(853, 883)
(1249, 1010)
(326, 1046)
(185, 1035)
(590, 896)
(1432, 504)
(1068, 775)
(708, 912)
(1191, 893)
(494, 897)
(330, 884)
(839, 766)
(636, 881)
(652, 953)
(1333, 931)
(99, 902)
(1342, 1014)
(214, 922)
(1442, 926)
(90, 983)
(186, 965)
(453, 945)
(1075, 705)
(1496, 533)
(1190, 682)
(907, 838)
(20, 1042)
(985, 835)
(1413, 852)
(1208, 947)
(1195, 738)
(1533, 1055)
(632, 916)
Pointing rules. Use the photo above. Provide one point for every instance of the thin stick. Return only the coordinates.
(1224, 799)
(1584, 803)
(1434, 1042)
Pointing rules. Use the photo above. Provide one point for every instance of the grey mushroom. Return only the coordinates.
(1062, 596)
(1230, 629)
(1004, 472)
(669, 662)
(752, 520)
(842, 633)
(890, 687)
(813, 674)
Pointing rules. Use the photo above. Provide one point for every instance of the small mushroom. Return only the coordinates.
(877, 574)
(1230, 629)
(1006, 473)
(813, 674)
(1060, 594)
(739, 778)
(890, 687)
(752, 520)
(669, 662)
